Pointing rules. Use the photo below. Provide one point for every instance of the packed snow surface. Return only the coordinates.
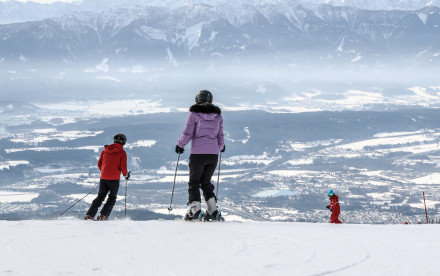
(125, 247)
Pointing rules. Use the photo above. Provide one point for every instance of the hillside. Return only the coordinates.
(119, 247)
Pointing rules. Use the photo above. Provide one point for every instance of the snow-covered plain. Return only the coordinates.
(296, 103)
(125, 247)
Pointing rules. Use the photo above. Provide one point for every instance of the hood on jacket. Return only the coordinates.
(116, 147)
(334, 198)
(205, 109)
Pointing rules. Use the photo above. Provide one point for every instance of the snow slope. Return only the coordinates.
(124, 247)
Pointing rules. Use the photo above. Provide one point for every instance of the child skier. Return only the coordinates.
(334, 207)
(204, 127)
(112, 162)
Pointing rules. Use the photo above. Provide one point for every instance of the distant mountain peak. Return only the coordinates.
(14, 11)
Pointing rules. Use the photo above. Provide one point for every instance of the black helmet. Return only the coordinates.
(204, 96)
(120, 138)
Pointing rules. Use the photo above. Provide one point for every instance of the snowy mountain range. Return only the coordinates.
(286, 32)
(14, 11)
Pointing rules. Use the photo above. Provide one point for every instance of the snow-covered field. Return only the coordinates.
(125, 247)
(298, 102)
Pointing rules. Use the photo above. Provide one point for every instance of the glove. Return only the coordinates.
(179, 150)
(224, 148)
(328, 207)
(127, 177)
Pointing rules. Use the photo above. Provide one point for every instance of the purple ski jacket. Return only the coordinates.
(204, 127)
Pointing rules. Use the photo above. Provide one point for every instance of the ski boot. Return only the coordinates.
(212, 214)
(101, 217)
(87, 217)
(194, 212)
(216, 216)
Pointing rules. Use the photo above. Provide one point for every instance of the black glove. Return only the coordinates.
(179, 150)
(127, 177)
(328, 207)
(224, 148)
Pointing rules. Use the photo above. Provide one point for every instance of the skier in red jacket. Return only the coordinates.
(334, 207)
(112, 162)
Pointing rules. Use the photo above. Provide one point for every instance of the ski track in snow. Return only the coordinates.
(342, 268)
(124, 247)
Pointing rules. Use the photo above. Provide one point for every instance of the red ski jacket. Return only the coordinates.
(112, 162)
(334, 205)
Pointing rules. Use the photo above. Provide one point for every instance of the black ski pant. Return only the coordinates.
(105, 186)
(201, 169)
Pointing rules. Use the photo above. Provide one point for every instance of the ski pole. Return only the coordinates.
(426, 212)
(175, 174)
(218, 177)
(125, 205)
(126, 182)
(79, 200)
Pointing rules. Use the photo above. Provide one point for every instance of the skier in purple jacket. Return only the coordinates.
(204, 127)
